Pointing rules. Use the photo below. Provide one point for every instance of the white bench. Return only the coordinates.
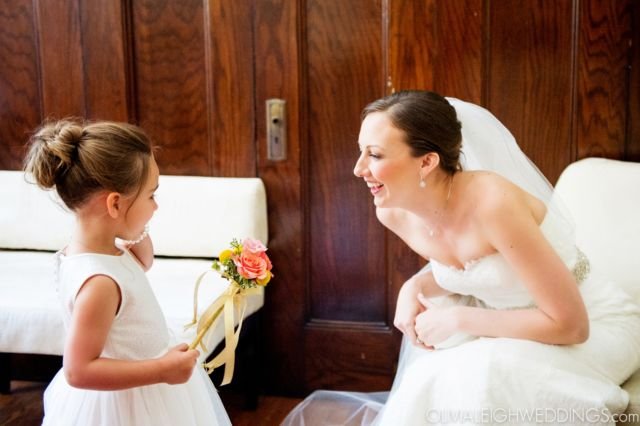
(197, 218)
(603, 197)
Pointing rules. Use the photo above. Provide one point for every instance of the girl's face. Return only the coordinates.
(385, 162)
(143, 206)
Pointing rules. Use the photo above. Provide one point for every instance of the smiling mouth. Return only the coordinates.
(375, 188)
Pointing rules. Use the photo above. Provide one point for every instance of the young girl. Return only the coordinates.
(118, 366)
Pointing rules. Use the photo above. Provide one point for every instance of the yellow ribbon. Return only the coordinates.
(227, 302)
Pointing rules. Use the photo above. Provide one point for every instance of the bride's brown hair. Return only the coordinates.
(428, 121)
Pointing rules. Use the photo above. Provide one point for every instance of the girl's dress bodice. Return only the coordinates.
(139, 330)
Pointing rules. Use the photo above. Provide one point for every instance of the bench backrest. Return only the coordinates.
(603, 196)
(197, 216)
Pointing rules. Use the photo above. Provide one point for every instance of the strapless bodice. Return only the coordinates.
(493, 281)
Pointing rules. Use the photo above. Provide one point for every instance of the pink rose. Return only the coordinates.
(252, 266)
(253, 246)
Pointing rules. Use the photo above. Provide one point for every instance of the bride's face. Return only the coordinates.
(385, 162)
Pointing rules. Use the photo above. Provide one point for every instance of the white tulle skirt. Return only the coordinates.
(195, 402)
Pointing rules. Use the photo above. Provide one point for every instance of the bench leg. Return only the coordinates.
(5, 373)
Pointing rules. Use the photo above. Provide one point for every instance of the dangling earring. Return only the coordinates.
(423, 184)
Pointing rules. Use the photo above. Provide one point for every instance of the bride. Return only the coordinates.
(507, 323)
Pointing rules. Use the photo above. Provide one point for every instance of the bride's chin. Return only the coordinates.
(381, 202)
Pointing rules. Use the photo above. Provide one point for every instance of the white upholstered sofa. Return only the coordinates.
(603, 197)
(197, 218)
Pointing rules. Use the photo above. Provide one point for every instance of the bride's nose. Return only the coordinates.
(360, 168)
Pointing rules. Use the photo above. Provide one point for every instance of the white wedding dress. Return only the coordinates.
(469, 380)
(478, 380)
(512, 381)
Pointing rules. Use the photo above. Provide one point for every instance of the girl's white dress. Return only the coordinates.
(139, 332)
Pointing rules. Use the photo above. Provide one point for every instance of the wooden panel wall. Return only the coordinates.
(343, 40)
(20, 107)
(562, 75)
(347, 305)
(530, 75)
(278, 75)
(172, 66)
(603, 68)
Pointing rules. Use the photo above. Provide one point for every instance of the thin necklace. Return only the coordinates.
(446, 203)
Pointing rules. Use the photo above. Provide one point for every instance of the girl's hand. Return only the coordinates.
(407, 309)
(177, 364)
(143, 251)
(435, 324)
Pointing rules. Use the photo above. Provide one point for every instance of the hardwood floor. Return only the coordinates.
(23, 407)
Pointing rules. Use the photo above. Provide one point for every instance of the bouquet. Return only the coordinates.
(247, 267)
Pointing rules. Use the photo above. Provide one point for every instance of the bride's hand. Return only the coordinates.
(435, 324)
(407, 308)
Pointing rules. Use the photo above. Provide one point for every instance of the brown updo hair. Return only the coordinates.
(429, 122)
(79, 159)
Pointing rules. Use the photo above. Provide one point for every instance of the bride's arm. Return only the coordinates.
(560, 316)
(421, 283)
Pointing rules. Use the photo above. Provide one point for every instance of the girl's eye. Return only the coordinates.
(372, 155)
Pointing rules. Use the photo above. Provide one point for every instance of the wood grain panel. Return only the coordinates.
(347, 259)
(632, 151)
(411, 45)
(602, 88)
(354, 358)
(170, 82)
(230, 86)
(60, 54)
(278, 76)
(104, 48)
(529, 85)
(458, 70)
(19, 97)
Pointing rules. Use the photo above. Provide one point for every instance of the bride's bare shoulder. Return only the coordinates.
(489, 186)
(496, 197)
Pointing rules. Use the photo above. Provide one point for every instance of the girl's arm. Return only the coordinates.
(96, 305)
(143, 251)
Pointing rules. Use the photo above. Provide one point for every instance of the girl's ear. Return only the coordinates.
(429, 162)
(114, 204)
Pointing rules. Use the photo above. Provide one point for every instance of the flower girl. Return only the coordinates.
(118, 366)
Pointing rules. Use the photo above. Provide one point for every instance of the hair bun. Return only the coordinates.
(54, 151)
(64, 140)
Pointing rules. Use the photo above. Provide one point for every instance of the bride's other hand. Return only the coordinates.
(435, 324)
(407, 308)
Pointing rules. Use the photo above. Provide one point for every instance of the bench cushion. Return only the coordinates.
(31, 318)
